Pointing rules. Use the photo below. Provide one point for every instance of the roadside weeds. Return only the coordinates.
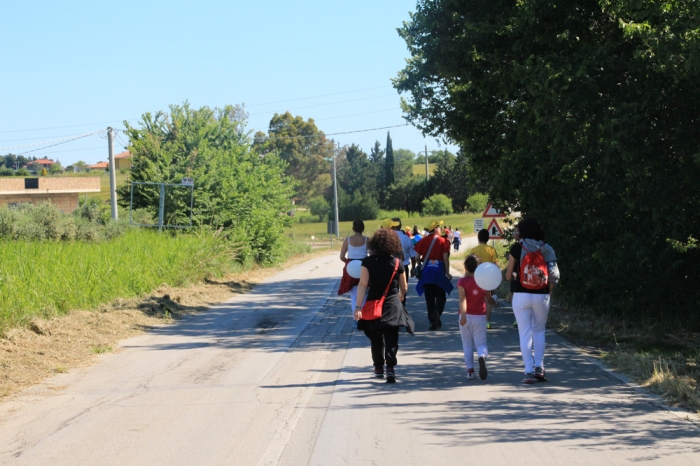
(662, 362)
(49, 346)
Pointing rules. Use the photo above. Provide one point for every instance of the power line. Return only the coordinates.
(71, 150)
(61, 141)
(365, 130)
(58, 144)
(345, 132)
(61, 127)
(358, 114)
(35, 138)
(325, 105)
(246, 106)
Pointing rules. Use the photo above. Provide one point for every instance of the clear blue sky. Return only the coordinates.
(96, 63)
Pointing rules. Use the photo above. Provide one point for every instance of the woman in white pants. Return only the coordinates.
(531, 305)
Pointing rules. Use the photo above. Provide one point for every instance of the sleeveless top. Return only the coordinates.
(357, 252)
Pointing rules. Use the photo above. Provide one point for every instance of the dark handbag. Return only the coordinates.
(372, 310)
(419, 267)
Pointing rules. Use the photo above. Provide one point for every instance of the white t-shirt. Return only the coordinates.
(457, 235)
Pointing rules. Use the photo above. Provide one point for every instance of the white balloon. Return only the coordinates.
(488, 276)
(354, 268)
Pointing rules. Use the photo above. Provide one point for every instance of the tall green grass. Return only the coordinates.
(51, 278)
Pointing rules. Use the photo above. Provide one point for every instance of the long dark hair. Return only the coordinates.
(530, 228)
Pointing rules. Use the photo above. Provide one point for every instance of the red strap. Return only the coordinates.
(396, 267)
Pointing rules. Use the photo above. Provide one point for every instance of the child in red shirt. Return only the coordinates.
(472, 318)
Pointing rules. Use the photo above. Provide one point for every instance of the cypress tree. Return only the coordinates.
(389, 162)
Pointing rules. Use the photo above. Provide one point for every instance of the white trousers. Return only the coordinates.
(531, 311)
(473, 335)
(353, 298)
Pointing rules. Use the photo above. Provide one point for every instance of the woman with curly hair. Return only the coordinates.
(380, 270)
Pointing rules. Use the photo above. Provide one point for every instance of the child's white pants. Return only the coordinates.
(474, 337)
(531, 311)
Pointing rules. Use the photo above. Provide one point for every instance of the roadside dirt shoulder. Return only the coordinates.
(49, 346)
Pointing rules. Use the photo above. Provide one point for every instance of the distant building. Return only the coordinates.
(63, 191)
(123, 161)
(46, 163)
(103, 166)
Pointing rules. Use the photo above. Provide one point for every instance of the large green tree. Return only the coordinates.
(404, 160)
(452, 178)
(302, 145)
(357, 172)
(584, 114)
(235, 188)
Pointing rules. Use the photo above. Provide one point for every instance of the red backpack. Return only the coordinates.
(533, 270)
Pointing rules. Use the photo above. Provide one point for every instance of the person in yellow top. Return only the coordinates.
(486, 254)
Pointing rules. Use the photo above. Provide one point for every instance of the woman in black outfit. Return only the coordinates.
(377, 270)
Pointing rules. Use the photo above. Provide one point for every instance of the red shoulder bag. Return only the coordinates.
(372, 310)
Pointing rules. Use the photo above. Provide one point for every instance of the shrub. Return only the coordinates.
(22, 172)
(236, 189)
(319, 207)
(476, 203)
(45, 222)
(360, 205)
(437, 204)
(5, 171)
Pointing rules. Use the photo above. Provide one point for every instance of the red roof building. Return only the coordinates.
(99, 166)
(44, 162)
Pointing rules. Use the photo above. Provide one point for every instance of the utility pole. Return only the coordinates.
(335, 190)
(112, 175)
(427, 172)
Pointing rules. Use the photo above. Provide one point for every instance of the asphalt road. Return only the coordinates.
(278, 376)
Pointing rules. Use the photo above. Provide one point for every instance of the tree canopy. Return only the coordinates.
(235, 188)
(302, 146)
(583, 114)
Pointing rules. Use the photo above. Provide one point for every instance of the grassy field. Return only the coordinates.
(104, 184)
(419, 168)
(48, 278)
(304, 231)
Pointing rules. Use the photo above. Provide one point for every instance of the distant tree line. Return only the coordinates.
(367, 183)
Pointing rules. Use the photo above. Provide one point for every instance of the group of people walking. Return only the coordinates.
(392, 255)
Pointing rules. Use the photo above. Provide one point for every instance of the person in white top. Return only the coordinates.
(354, 248)
(456, 239)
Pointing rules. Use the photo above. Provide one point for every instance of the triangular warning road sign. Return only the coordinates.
(495, 231)
(492, 212)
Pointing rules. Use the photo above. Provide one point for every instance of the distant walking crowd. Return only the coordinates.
(393, 255)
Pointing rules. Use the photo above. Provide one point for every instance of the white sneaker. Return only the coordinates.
(470, 374)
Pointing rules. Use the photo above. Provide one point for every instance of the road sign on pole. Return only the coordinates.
(478, 224)
(492, 212)
(495, 231)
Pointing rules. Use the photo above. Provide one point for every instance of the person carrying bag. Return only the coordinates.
(372, 310)
(383, 280)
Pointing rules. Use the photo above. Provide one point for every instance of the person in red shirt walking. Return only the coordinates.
(472, 318)
(433, 252)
